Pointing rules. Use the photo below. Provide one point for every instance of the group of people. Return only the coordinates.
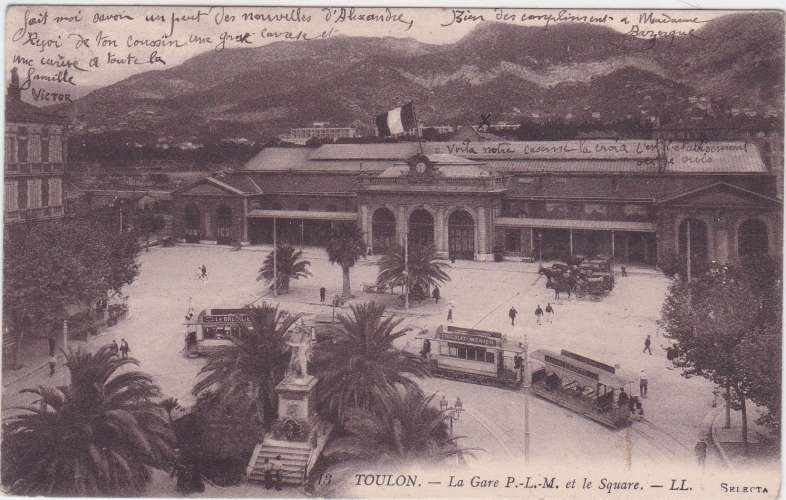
(121, 349)
(539, 313)
(272, 473)
(632, 402)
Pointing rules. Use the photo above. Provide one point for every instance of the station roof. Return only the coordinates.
(585, 156)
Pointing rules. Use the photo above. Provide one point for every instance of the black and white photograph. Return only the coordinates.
(338, 251)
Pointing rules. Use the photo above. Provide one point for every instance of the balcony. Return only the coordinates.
(434, 184)
(34, 214)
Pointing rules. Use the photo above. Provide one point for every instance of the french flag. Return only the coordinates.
(397, 121)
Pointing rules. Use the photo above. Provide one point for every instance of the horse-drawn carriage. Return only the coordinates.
(592, 277)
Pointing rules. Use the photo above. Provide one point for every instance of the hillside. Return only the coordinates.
(510, 71)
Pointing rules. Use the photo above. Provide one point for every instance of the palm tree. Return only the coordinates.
(289, 265)
(408, 429)
(424, 268)
(362, 366)
(344, 247)
(170, 405)
(98, 436)
(243, 376)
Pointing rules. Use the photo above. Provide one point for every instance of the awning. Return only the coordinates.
(302, 214)
(597, 225)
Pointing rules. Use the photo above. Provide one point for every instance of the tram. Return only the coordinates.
(470, 355)
(594, 389)
(212, 329)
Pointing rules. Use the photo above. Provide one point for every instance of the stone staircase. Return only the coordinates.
(294, 458)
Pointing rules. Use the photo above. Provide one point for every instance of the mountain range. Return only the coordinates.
(506, 70)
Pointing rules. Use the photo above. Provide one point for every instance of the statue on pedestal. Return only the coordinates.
(300, 342)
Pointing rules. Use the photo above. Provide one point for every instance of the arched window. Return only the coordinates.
(421, 228)
(383, 230)
(461, 235)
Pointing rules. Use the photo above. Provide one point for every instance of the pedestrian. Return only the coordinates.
(435, 295)
(450, 312)
(550, 312)
(115, 348)
(512, 314)
(647, 343)
(124, 349)
(267, 473)
(623, 271)
(52, 364)
(517, 364)
(322, 293)
(701, 452)
(452, 258)
(643, 384)
(538, 314)
(622, 399)
(204, 272)
(277, 469)
(426, 350)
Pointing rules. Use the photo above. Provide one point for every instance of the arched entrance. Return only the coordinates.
(383, 230)
(193, 224)
(698, 241)
(421, 228)
(752, 238)
(461, 235)
(223, 225)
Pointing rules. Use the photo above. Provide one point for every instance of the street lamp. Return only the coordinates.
(540, 247)
(454, 412)
(526, 384)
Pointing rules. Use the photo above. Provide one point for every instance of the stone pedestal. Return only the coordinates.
(296, 399)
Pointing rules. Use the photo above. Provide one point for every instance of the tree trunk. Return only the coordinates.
(347, 293)
(744, 416)
(16, 362)
(727, 421)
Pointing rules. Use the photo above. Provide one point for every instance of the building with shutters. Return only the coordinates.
(35, 154)
(635, 200)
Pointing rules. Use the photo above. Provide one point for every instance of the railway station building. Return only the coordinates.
(634, 200)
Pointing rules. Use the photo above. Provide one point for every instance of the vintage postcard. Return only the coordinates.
(282, 251)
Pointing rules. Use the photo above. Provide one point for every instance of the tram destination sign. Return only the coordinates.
(471, 336)
(226, 316)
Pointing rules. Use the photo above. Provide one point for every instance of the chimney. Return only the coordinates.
(14, 90)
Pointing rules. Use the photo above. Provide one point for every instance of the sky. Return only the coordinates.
(96, 46)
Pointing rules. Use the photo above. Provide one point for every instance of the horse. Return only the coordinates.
(560, 286)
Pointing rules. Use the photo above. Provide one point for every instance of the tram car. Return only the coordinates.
(596, 390)
(212, 329)
(470, 355)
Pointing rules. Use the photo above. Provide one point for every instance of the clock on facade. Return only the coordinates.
(420, 167)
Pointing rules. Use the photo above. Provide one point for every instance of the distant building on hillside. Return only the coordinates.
(35, 155)
(318, 130)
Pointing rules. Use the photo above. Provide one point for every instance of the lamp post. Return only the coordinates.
(454, 412)
(275, 260)
(526, 384)
(540, 247)
(406, 271)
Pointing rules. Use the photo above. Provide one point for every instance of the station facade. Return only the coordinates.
(634, 200)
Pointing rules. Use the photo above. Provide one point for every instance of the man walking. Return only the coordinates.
(517, 364)
(538, 314)
(512, 314)
(115, 348)
(435, 295)
(124, 349)
(277, 470)
(647, 343)
(701, 452)
(550, 312)
(643, 383)
(450, 312)
(322, 293)
(204, 272)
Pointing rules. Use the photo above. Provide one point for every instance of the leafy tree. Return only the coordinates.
(345, 247)
(289, 264)
(149, 223)
(711, 319)
(48, 267)
(409, 428)
(760, 359)
(98, 436)
(362, 367)
(244, 376)
(425, 269)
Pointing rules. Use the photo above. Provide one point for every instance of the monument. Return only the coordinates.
(296, 405)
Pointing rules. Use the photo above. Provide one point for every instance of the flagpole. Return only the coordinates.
(417, 127)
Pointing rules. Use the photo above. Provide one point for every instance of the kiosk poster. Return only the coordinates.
(392, 252)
